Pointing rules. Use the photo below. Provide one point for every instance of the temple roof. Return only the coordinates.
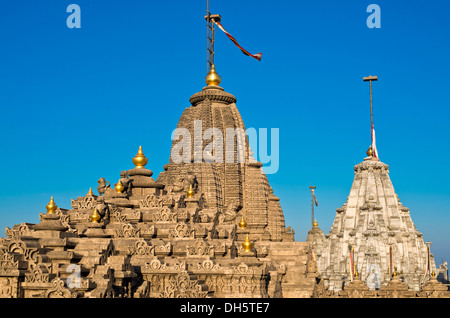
(374, 222)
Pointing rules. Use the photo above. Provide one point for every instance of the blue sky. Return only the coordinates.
(77, 103)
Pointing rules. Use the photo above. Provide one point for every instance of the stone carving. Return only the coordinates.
(184, 285)
(200, 248)
(37, 274)
(208, 265)
(116, 215)
(181, 184)
(18, 246)
(155, 264)
(6, 288)
(127, 182)
(83, 203)
(147, 231)
(141, 248)
(151, 201)
(230, 213)
(190, 180)
(127, 230)
(58, 290)
(104, 187)
(181, 230)
(242, 268)
(102, 208)
(163, 249)
(165, 214)
(8, 261)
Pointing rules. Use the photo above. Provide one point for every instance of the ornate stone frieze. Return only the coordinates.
(127, 230)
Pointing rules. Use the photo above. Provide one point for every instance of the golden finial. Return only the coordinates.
(369, 151)
(242, 223)
(190, 192)
(140, 160)
(90, 193)
(247, 245)
(119, 187)
(95, 216)
(315, 224)
(394, 274)
(212, 78)
(356, 273)
(51, 206)
(433, 274)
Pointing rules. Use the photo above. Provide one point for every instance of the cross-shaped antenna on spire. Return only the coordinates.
(370, 78)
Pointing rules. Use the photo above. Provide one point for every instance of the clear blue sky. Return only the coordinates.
(77, 103)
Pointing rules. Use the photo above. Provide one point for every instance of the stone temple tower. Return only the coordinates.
(375, 230)
(204, 228)
(213, 149)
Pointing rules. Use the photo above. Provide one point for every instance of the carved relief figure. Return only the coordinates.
(126, 182)
(102, 208)
(190, 180)
(178, 185)
(102, 185)
(231, 211)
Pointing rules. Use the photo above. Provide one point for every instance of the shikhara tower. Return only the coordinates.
(201, 229)
(372, 222)
(373, 233)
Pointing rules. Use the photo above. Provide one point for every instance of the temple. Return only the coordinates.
(203, 228)
(210, 225)
(373, 248)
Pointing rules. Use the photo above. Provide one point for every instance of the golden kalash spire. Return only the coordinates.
(51, 206)
(247, 245)
(242, 223)
(95, 216)
(212, 78)
(190, 192)
(315, 224)
(119, 187)
(90, 193)
(140, 160)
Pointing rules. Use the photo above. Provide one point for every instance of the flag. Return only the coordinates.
(313, 255)
(352, 265)
(256, 56)
(374, 147)
(427, 269)
(391, 262)
(314, 196)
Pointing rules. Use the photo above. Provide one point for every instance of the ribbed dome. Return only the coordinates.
(237, 180)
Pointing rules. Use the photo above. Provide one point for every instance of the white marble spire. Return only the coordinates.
(371, 221)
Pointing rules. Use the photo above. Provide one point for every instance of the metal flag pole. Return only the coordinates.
(208, 21)
(210, 18)
(369, 79)
(428, 265)
(312, 204)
